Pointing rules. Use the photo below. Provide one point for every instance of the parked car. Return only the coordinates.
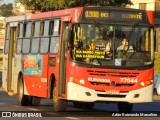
(156, 84)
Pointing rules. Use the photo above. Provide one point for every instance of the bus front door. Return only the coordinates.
(63, 59)
(11, 54)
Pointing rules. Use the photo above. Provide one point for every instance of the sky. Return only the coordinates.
(6, 1)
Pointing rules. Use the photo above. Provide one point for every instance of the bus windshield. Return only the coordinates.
(111, 45)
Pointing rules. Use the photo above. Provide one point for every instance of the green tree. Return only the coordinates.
(6, 10)
(47, 5)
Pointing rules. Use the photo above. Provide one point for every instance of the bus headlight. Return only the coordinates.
(142, 84)
(77, 81)
(146, 83)
(82, 82)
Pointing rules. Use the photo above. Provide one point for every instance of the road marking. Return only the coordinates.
(16, 106)
(34, 109)
(3, 104)
(72, 118)
(51, 113)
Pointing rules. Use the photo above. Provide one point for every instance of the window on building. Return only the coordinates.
(142, 6)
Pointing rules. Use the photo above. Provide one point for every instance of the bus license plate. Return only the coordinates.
(112, 92)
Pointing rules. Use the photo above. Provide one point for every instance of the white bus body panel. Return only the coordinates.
(17, 65)
(5, 68)
(78, 93)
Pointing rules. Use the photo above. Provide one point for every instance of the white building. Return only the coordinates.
(19, 9)
(143, 4)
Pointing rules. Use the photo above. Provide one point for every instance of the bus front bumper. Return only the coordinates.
(77, 92)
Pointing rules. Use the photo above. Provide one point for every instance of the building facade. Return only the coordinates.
(2, 31)
(19, 9)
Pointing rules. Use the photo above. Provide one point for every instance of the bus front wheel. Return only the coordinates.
(35, 101)
(24, 100)
(58, 104)
(125, 107)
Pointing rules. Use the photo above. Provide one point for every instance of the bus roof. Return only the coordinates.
(108, 13)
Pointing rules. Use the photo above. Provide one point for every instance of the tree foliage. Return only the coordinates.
(47, 5)
(6, 10)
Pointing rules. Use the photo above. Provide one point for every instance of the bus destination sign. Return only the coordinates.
(113, 15)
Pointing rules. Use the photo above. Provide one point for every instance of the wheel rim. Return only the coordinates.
(20, 91)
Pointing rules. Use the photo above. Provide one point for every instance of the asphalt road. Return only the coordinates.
(100, 110)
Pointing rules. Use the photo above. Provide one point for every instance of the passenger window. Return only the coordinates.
(36, 35)
(46, 28)
(20, 30)
(26, 45)
(44, 45)
(27, 29)
(37, 29)
(42, 28)
(54, 45)
(26, 40)
(55, 27)
(35, 45)
(7, 31)
(7, 39)
(19, 41)
(19, 46)
(6, 46)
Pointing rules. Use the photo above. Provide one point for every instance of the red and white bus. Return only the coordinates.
(62, 55)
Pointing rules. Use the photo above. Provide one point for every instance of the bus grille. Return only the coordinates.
(115, 96)
(108, 84)
(113, 73)
(103, 94)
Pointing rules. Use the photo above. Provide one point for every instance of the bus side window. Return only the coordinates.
(44, 43)
(54, 44)
(26, 39)
(7, 39)
(19, 41)
(36, 36)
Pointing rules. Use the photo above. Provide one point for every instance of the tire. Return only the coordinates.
(35, 101)
(124, 107)
(83, 105)
(24, 100)
(58, 104)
